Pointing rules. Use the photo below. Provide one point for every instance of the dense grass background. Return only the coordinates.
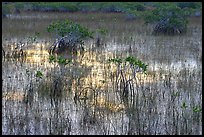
(11, 7)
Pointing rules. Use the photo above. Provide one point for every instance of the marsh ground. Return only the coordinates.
(165, 101)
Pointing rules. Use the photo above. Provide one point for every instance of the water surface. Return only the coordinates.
(161, 102)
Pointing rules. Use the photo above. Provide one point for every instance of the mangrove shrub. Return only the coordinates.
(168, 19)
(69, 35)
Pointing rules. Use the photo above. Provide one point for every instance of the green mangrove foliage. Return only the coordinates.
(15, 7)
(69, 35)
(62, 28)
(133, 62)
(184, 106)
(59, 60)
(125, 75)
(197, 109)
(192, 5)
(167, 18)
(39, 74)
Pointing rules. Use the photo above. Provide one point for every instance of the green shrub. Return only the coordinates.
(20, 5)
(87, 6)
(192, 5)
(132, 61)
(70, 7)
(111, 7)
(7, 9)
(69, 35)
(167, 19)
(138, 6)
(62, 28)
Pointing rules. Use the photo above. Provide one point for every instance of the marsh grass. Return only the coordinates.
(165, 101)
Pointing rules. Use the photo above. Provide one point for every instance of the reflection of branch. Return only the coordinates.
(112, 124)
(77, 96)
(3, 52)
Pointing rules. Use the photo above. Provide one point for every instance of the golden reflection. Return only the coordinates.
(99, 76)
(36, 56)
(100, 72)
(14, 96)
(100, 103)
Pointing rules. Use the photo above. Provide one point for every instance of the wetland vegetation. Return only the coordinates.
(118, 77)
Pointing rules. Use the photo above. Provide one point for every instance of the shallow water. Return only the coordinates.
(161, 102)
